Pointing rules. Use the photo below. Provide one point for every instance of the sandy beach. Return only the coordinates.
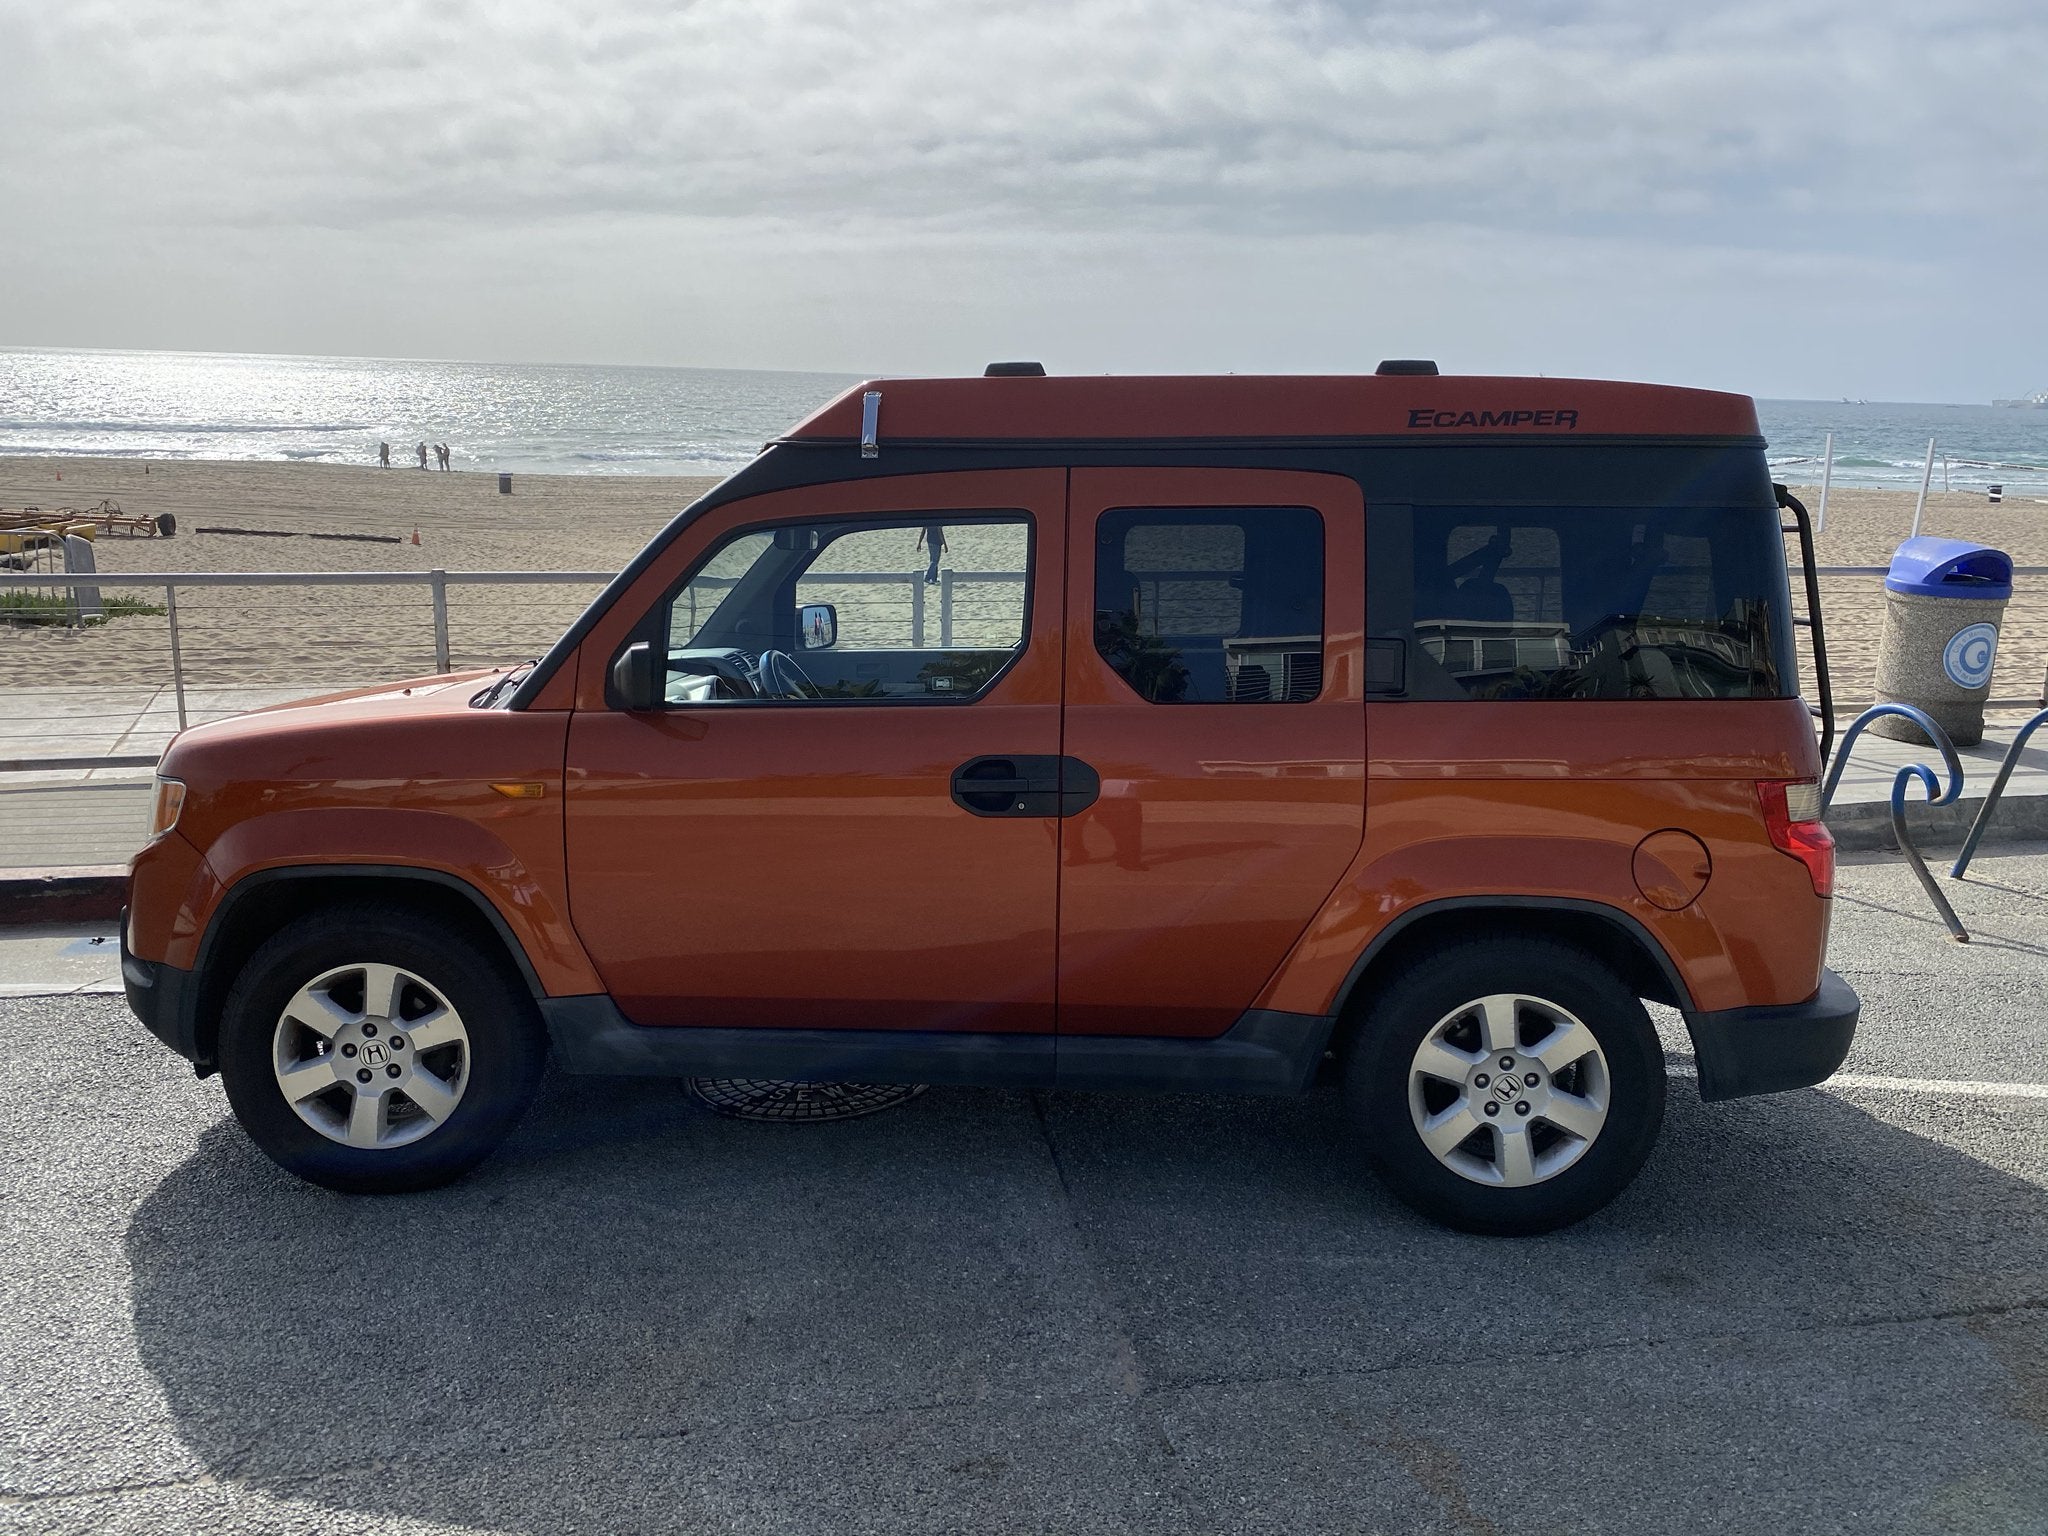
(331, 636)
(1864, 527)
(334, 636)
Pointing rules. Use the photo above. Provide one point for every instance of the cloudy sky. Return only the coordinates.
(1804, 198)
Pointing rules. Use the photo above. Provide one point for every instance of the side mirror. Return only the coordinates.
(817, 626)
(633, 684)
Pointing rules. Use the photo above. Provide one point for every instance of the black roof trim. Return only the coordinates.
(1381, 440)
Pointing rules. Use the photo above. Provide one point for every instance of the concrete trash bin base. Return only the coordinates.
(1943, 603)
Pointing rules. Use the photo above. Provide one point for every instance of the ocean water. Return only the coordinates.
(577, 419)
(1885, 445)
(536, 418)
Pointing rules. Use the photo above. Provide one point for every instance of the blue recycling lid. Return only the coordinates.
(1950, 568)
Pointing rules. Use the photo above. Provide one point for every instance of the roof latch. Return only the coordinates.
(870, 423)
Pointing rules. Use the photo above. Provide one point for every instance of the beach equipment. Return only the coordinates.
(1944, 601)
(107, 517)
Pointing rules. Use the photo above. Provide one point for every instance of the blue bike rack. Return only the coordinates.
(1924, 775)
(2012, 757)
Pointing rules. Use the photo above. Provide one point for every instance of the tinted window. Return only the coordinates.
(1581, 603)
(1212, 605)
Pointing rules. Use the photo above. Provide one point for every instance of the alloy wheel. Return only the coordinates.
(1509, 1090)
(372, 1056)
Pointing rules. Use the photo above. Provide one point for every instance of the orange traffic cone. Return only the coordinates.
(415, 535)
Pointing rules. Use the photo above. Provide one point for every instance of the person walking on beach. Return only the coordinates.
(933, 541)
(445, 453)
(384, 454)
(423, 455)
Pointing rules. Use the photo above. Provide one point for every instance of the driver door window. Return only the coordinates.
(928, 609)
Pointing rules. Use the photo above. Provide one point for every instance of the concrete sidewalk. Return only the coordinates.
(1860, 815)
(41, 723)
(80, 817)
(60, 960)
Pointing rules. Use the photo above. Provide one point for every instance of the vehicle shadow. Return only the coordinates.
(991, 1311)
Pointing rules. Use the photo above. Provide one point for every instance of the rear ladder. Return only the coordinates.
(1810, 621)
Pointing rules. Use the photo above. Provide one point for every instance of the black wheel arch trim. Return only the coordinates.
(169, 1001)
(249, 884)
(1629, 927)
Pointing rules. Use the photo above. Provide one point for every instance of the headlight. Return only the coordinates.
(164, 806)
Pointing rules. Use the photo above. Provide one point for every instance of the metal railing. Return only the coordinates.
(108, 695)
(213, 631)
(179, 618)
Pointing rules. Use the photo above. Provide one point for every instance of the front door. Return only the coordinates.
(1214, 648)
(796, 840)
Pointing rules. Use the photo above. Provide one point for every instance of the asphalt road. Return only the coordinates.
(1823, 1311)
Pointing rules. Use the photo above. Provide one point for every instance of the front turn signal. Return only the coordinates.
(164, 806)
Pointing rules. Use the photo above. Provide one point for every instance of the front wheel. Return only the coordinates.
(1507, 1086)
(373, 1050)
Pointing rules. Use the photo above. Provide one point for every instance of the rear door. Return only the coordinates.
(1215, 624)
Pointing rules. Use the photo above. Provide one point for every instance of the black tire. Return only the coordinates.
(1437, 984)
(166, 524)
(505, 1052)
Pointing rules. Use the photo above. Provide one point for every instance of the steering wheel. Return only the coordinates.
(782, 678)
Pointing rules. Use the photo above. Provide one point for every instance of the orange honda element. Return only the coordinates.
(1209, 735)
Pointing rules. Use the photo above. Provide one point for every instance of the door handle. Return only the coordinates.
(1025, 785)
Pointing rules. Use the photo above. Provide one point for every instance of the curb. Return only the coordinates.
(91, 893)
(1866, 825)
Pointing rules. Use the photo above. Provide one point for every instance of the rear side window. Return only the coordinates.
(1579, 603)
(1209, 605)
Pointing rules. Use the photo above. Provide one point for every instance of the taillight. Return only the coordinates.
(1792, 814)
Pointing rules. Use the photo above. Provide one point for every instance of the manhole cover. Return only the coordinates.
(761, 1098)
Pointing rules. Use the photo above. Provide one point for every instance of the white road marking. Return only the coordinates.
(1937, 1085)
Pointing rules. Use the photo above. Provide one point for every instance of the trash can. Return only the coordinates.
(504, 484)
(1943, 600)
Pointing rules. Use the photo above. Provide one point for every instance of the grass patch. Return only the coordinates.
(55, 607)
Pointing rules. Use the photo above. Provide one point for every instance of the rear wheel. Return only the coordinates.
(371, 1049)
(1507, 1086)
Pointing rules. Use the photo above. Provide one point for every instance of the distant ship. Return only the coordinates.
(2038, 401)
